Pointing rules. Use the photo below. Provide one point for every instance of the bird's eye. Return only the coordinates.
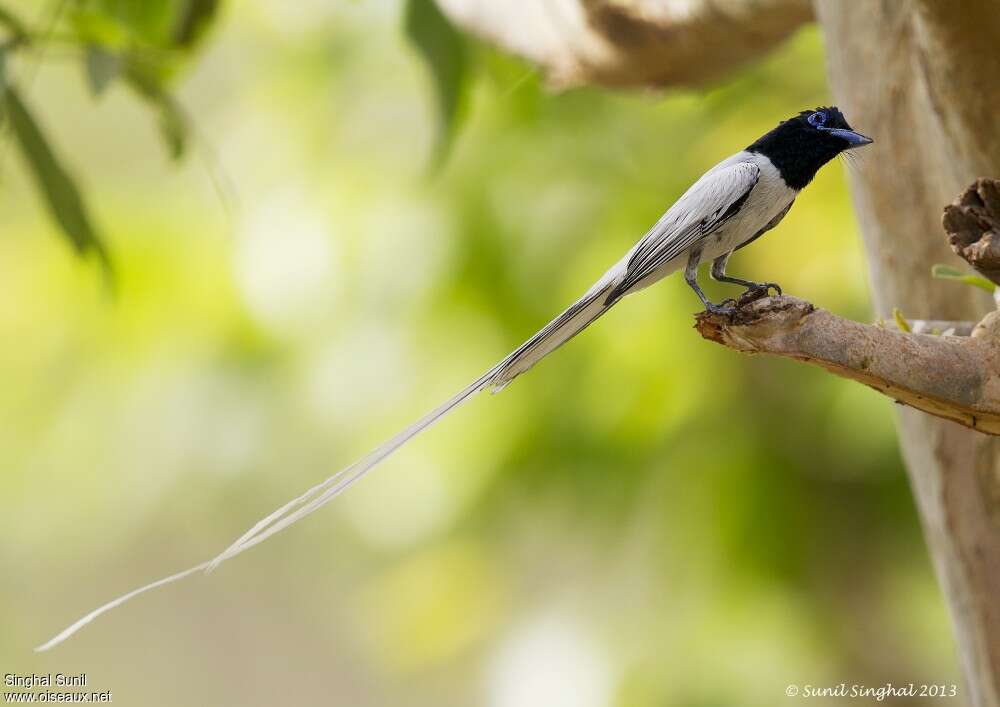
(817, 119)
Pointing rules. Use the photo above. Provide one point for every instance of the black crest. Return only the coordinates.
(799, 146)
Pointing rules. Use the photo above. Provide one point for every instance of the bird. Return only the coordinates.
(734, 203)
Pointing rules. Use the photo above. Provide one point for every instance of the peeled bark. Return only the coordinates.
(973, 226)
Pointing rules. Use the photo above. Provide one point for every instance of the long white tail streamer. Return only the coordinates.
(81, 622)
(321, 494)
(564, 327)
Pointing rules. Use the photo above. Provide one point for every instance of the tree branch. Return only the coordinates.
(634, 43)
(957, 378)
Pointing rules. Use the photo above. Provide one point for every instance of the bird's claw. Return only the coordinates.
(726, 308)
(759, 291)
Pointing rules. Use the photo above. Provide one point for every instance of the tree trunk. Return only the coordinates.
(922, 77)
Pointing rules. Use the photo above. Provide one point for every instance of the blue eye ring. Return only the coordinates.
(817, 119)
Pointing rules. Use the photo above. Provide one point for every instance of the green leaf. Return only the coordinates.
(444, 51)
(946, 272)
(17, 29)
(173, 122)
(144, 22)
(61, 194)
(901, 320)
(194, 21)
(152, 40)
(153, 25)
(96, 28)
(102, 68)
(173, 125)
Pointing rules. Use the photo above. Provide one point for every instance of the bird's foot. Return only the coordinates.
(726, 307)
(758, 291)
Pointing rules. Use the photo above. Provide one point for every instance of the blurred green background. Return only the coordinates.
(644, 519)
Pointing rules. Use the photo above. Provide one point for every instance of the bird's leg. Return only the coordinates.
(755, 290)
(691, 277)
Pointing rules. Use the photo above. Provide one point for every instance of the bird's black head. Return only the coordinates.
(799, 146)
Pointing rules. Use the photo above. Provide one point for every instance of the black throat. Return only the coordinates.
(797, 152)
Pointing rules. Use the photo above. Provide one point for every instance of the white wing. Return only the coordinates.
(707, 205)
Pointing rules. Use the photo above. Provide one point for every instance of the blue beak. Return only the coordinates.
(853, 138)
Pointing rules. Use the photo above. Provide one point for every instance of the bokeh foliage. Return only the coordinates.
(144, 44)
(644, 519)
(444, 49)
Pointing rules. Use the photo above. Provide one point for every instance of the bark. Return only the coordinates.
(632, 42)
(905, 366)
(931, 105)
(973, 225)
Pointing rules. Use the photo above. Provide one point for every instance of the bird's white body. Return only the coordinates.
(769, 197)
(746, 184)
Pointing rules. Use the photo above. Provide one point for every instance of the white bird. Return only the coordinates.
(732, 204)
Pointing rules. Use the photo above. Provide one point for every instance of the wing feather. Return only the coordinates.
(703, 209)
